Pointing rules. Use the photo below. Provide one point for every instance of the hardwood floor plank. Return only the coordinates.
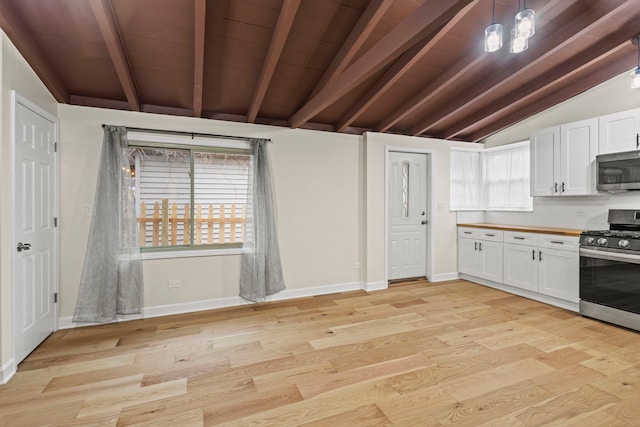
(477, 383)
(364, 416)
(560, 408)
(423, 354)
(391, 368)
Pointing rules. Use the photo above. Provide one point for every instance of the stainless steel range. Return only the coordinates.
(610, 270)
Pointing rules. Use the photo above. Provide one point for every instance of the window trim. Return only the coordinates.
(208, 145)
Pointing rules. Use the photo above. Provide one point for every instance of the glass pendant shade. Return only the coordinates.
(525, 23)
(519, 43)
(493, 38)
(635, 78)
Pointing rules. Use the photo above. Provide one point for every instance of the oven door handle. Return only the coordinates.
(611, 256)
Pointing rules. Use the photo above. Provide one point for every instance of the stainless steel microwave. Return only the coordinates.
(618, 171)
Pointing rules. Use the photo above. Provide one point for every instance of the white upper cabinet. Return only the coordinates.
(619, 132)
(562, 159)
(544, 152)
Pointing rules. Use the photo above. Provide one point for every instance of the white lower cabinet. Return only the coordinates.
(480, 253)
(558, 274)
(521, 266)
(541, 264)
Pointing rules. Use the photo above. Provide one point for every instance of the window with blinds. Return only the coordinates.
(190, 197)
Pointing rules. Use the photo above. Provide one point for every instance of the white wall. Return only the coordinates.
(612, 96)
(18, 76)
(317, 179)
(443, 221)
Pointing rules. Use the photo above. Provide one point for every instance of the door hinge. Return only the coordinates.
(55, 298)
(55, 221)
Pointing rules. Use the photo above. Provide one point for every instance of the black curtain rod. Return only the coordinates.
(191, 134)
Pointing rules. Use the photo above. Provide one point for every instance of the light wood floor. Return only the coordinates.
(421, 354)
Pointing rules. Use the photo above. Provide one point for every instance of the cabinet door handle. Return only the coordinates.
(490, 235)
(539, 255)
(557, 242)
(518, 238)
(563, 187)
(467, 232)
(533, 254)
(637, 140)
(555, 187)
(480, 246)
(475, 246)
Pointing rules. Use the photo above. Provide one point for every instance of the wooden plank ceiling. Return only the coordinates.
(413, 67)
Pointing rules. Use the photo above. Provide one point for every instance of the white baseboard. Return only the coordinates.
(567, 305)
(316, 290)
(190, 307)
(443, 277)
(7, 371)
(375, 286)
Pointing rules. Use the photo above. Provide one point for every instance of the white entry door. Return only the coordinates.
(35, 257)
(407, 215)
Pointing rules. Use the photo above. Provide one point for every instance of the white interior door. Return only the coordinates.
(407, 252)
(35, 258)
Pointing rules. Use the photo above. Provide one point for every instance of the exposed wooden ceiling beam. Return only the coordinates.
(443, 83)
(27, 46)
(280, 34)
(556, 77)
(536, 54)
(111, 36)
(367, 22)
(579, 85)
(426, 19)
(198, 55)
(403, 64)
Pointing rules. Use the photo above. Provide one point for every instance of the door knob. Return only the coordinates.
(23, 246)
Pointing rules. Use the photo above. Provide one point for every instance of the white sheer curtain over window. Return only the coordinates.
(466, 179)
(261, 273)
(111, 282)
(507, 178)
(495, 179)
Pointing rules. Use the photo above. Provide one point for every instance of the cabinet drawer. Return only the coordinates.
(481, 233)
(567, 243)
(520, 238)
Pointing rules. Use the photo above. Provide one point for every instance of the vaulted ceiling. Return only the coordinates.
(413, 67)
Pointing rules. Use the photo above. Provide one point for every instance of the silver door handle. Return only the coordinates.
(23, 246)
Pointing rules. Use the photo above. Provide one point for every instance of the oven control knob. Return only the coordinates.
(623, 243)
(602, 241)
(590, 240)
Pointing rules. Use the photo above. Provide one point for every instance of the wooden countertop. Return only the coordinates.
(527, 228)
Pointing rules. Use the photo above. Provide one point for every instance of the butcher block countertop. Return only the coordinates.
(527, 228)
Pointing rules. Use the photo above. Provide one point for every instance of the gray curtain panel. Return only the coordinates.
(261, 273)
(111, 281)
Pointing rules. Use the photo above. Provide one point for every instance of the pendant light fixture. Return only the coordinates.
(519, 43)
(525, 21)
(493, 34)
(635, 74)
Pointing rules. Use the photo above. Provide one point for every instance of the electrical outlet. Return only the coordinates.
(175, 283)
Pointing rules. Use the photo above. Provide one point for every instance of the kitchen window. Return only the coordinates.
(495, 179)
